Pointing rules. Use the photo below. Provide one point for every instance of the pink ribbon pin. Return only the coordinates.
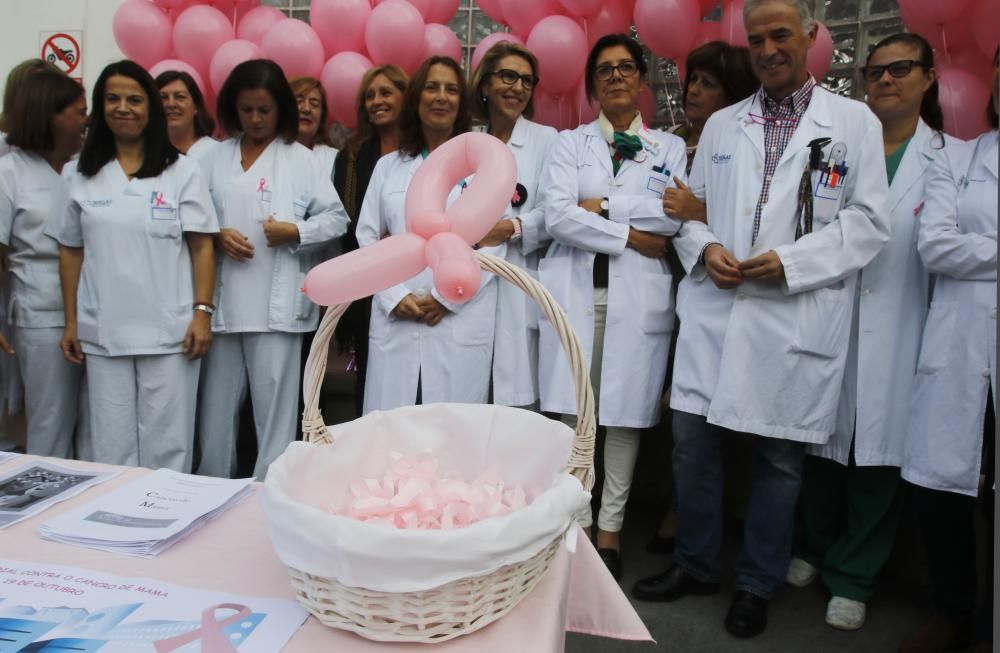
(212, 632)
(261, 185)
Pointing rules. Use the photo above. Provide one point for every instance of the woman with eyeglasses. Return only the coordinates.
(311, 101)
(188, 121)
(605, 213)
(949, 449)
(851, 497)
(422, 348)
(504, 86)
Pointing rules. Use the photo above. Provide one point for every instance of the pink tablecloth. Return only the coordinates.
(234, 554)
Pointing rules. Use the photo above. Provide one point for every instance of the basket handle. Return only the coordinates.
(581, 460)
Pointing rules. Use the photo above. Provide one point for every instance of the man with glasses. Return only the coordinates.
(795, 186)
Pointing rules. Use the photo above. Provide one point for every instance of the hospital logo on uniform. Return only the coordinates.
(95, 203)
(721, 158)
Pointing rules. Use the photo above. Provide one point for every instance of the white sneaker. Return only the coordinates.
(845, 614)
(800, 573)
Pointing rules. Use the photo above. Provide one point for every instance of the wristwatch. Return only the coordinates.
(604, 208)
(205, 308)
(518, 230)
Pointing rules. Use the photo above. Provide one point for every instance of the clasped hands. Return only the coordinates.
(237, 246)
(424, 308)
(726, 271)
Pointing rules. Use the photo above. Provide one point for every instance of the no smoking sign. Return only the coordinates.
(62, 49)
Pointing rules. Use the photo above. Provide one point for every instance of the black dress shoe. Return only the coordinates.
(671, 585)
(747, 615)
(659, 545)
(612, 560)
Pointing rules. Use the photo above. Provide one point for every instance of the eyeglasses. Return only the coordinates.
(626, 68)
(510, 77)
(897, 69)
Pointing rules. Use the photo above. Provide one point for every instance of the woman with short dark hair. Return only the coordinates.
(277, 211)
(46, 124)
(188, 121)
(137, 304)
(423, 349)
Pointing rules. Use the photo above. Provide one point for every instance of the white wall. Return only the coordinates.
(22, 20)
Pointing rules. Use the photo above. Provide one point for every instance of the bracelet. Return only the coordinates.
(205, 308)
(518, 230)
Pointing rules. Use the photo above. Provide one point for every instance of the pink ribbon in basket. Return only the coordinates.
(414, 494)
(436, 236)
(212, 632)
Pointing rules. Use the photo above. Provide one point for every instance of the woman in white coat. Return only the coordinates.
(311, 102)
(277, 211)
(137, 270)
(189, 123)
(46, 125)
(607, 268)
(503, 86)
(851, 497)
(949, 446)
(423, 349)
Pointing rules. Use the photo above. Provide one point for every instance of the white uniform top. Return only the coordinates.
(515, 345)
(451, 360)
(640, 305)
(958, 243)
(768, 358)
(202, 148)
(325, 156)
(136, 288)
(890, 307)
(248, 205)
(4, 148)
(298, 192)
(29, 188)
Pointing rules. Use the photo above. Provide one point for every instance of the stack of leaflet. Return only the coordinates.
(148, 515)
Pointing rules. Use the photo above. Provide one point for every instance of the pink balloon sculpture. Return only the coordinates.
(439, 40)
(394, 33)
(198, 33)
(341, 77)
(257, 22)
(820, 56)
(340, 24)
(180, 66)
(142, 31)
(227, 57)
(561, 48)
(437, 237)
(668, 27)
(294, 46)
(488, 42)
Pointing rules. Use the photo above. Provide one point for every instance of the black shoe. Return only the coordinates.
(659, 545)
(671, 585)
(613, 561)
(747, 615)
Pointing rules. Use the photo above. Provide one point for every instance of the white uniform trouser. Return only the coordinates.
(142, 409)
(272, 362)
(54, 394)
(621, 443)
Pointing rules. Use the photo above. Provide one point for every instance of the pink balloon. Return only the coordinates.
(561, 48)
(257, 22)
(340, 24)
(493, 9)
(821, 53)
(442, 11)
(437, 236)
(142, 31)
(227, 57)
(559, 111)
(581, 8)
(647, 104)
(172, 4)
(708, 32)
(936, 12)
(954, 35)
(200, 31)
(668, 27)
(395, 34)
(612, 18)
(294, 46)
(341, 78)
(523, 15)
(733, 30)
(972, 61)
(227, 7)
(488, 42)
(587, 111)
(180, 66)
(963, 100)
(707, 6)
(440, 40)
(986, 27)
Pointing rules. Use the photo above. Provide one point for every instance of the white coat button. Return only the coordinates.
(986, 372)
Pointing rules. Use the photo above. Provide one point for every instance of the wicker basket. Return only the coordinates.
(466, 605)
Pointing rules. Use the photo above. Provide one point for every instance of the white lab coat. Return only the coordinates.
(766, 358)
(515, 346)
(202, 149)
(958, 243)
(889, 312)
(451, 360)
(302, 194)
(640, 305)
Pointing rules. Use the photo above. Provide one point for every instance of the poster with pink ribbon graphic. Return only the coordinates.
(47, 608)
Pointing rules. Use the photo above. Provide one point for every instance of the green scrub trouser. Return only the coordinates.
(846, 523)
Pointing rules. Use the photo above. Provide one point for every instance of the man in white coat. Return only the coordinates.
(795, 185)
